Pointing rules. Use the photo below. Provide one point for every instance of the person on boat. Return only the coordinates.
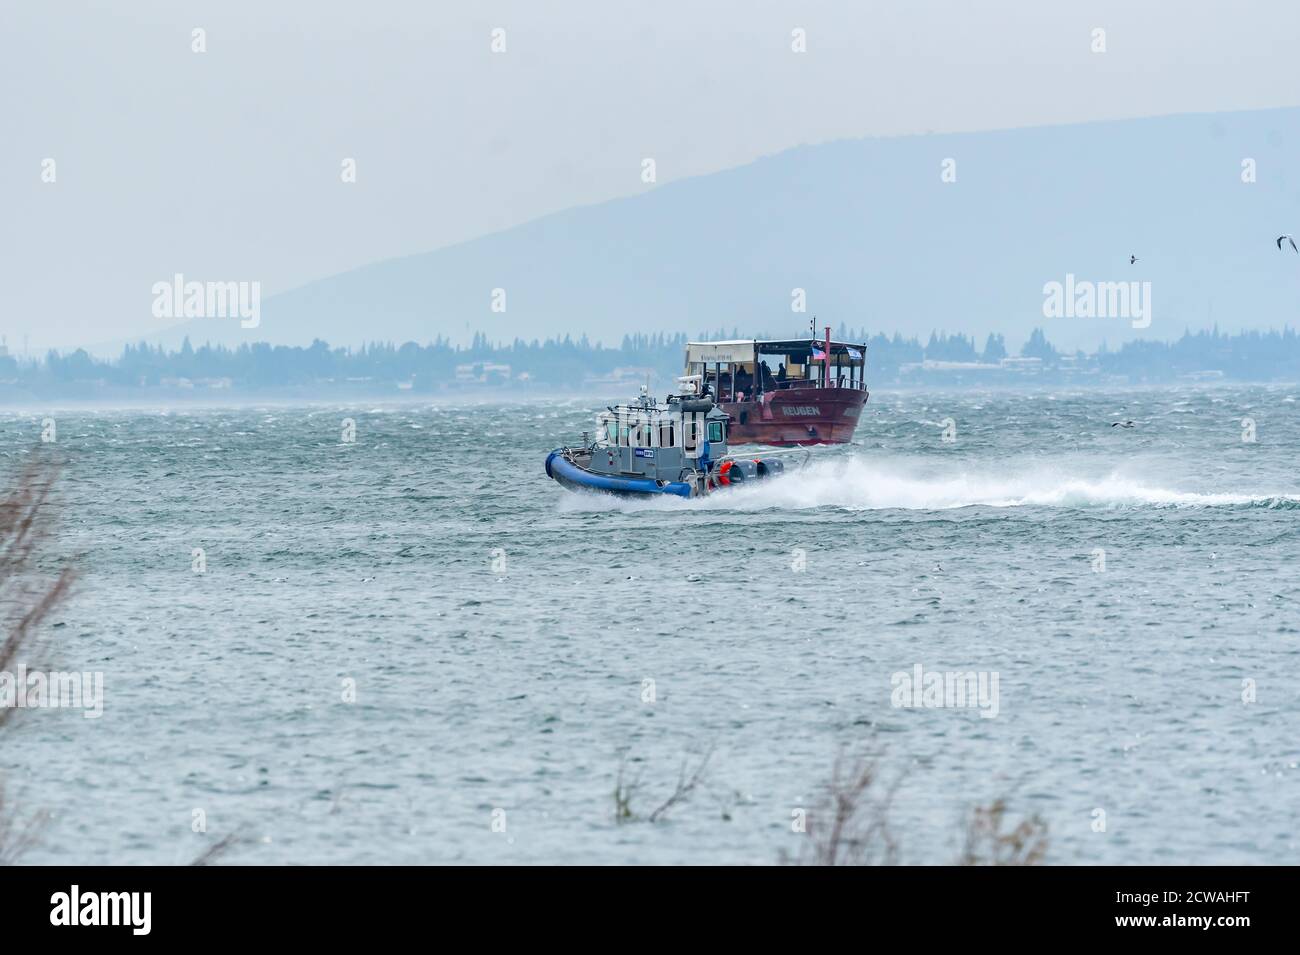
(780, 373)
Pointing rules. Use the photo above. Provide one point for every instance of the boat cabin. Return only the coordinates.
(646, 438)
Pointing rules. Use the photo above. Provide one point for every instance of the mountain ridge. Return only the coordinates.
(873, 235)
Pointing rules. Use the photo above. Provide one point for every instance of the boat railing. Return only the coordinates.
(800, 385)
(818, 383)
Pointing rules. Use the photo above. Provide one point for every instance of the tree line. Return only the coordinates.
(1252, 355)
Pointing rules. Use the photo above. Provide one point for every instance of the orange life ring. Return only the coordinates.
(724, 471)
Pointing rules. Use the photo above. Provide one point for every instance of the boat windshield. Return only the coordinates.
(638, 430)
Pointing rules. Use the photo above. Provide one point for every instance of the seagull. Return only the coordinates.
(1289, 239)
(1132, 259)
(1122, 424)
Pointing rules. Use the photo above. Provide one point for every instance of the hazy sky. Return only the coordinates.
(226, 164)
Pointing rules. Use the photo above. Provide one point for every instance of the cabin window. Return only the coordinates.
(666, 435)
(611, 431)
(715, 430)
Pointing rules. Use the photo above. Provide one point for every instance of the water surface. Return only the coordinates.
(500, 632)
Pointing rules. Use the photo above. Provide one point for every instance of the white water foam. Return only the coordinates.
(859, 484)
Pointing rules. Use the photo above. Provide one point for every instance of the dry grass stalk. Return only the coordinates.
(988, 844)
(686, 785)
(688, 781)
(623, 793)
(850, 823)
(17, 833)
(27, 517)
(221, 847)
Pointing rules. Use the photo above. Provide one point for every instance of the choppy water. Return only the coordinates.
(520, 688)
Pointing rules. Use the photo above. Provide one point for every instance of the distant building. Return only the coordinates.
(929, 365)
(1021, 364)
(482, 372)
(623, 376)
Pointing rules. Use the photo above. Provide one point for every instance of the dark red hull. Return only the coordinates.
(796, 416)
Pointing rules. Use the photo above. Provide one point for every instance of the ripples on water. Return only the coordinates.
(520, 689)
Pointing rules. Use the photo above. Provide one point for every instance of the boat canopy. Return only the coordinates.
(720, 352)
(800, 350)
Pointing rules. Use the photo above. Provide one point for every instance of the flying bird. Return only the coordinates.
(1289, 239)
(1132, 259)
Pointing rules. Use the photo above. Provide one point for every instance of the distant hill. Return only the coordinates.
(868, 228)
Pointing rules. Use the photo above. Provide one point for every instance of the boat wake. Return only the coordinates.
(858, 484)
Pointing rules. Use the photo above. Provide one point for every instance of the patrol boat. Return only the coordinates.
(644, 448)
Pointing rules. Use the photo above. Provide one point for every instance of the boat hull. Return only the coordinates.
(566, 473)
(796, 417)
